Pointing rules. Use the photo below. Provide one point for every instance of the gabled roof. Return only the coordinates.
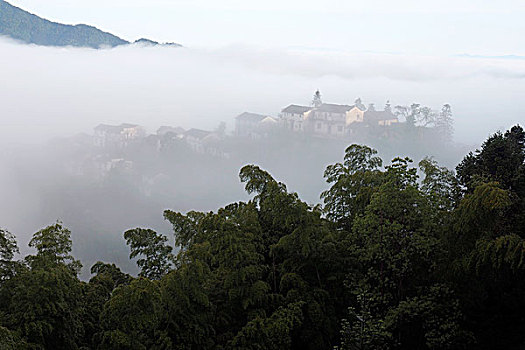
(166, 129)
(252, 117)
(197, 133)
(269, 120)
(378, 115)
(296, 109)
(333, 108)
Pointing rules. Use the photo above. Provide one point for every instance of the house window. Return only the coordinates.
(318, 126)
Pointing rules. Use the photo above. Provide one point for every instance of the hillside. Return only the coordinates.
(24, 26)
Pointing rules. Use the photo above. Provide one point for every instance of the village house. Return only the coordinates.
(176, 131)
(382, 118)
(117, 136)
(333, 120)
(204, 142)
(253, 125)
(320, 119)
(293, 117)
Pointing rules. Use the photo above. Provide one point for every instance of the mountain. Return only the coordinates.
(26, 27)
(148, 42)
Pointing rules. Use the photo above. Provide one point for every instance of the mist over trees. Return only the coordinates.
(104, 183)
(398, 256)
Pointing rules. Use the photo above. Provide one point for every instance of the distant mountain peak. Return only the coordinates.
(148, 42)
(32, 29)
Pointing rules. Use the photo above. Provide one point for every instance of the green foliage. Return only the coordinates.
(364, 331)
(391, 262)
(352, 184)
(8, 249)
(157, 257)
(272, 333)
(53, 245)
(445, 123)
(440, 184)
(21, 25)
(111, 271)
(131, 318)
(44, 307)
(9, 341)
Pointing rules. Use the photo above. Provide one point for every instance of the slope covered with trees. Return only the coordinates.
(397, 257)
(24, 26)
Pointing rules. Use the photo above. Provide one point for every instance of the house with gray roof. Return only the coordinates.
(253, 125)
(117, 136)
(293, 117)
(383, 118)
(333, 120)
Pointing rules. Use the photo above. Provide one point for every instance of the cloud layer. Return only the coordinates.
(48, 92)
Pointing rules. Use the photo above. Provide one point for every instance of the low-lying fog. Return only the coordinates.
(47, 93)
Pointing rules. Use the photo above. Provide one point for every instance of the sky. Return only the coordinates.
(446, 27)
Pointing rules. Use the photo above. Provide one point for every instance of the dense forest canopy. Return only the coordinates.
(401, 256)
(21, 25)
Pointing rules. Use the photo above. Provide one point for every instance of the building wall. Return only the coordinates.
(245, 128)
(294, 121)
(387, 122)
(355, 115)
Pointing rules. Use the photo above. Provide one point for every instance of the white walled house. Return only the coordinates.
(355, 115)
(382, 118)
(117, 136)
(194, 138)
(253, 125)
(294, 117)
(331, 120)
(204, 142)
(176, 131)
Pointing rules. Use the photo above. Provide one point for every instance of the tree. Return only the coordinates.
(53, 245)
(272, 333)
(352, 184)
(488, 238)
(8, 249)
(426, 117)
(112, 271)
(388, 107)
(440, 184)
(156, 255)
(445, 123)
(359, 104)
(410, 114)
(188, 300)
(45, 307)
(132, 318)
(397, 242)
(9, 341)
(44, 301)
(317, 101)
(96, 294)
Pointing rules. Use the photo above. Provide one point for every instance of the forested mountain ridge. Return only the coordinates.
(29, 28)
(397, 257)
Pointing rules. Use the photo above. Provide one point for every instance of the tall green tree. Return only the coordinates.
(132, 318)
(156, 257)
(44, 302)
(352, 184)
(8, 249)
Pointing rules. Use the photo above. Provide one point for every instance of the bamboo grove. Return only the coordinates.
(398, 256)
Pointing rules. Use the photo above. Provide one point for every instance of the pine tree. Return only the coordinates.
(317, 101)
(445, 123)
